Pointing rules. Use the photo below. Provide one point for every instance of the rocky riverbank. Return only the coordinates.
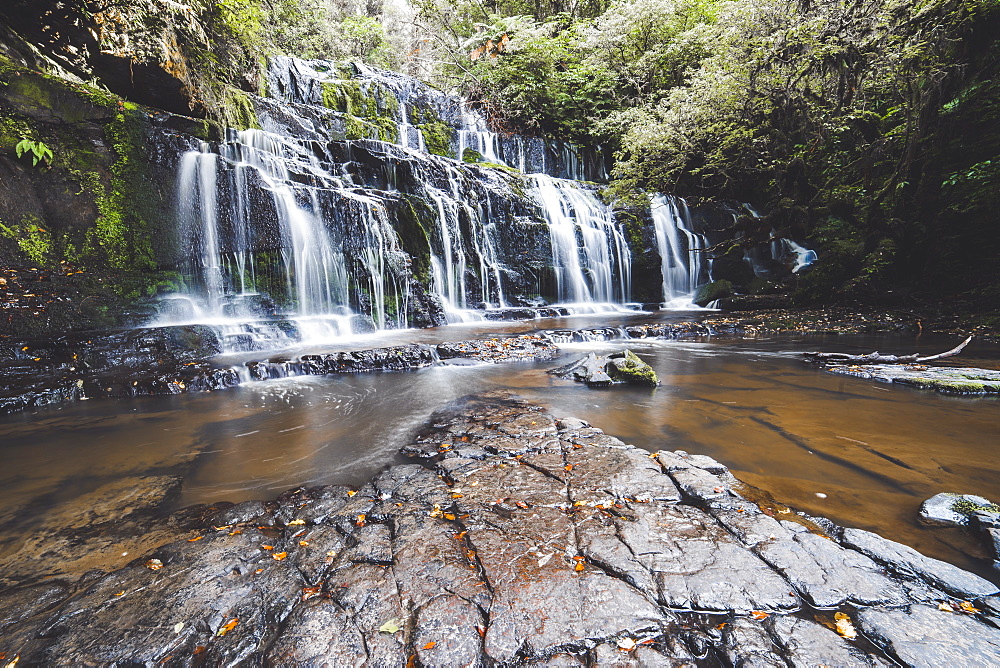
(514, 539)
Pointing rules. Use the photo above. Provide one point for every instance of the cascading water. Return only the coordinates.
(590, 255)
(299, 232)
(682, 259)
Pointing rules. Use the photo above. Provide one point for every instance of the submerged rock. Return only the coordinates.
(518, 540)
(947, 380)
(620, 367)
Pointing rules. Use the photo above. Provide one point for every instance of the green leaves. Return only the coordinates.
(39, 151)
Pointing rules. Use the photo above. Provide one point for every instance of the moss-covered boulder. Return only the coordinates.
(710, 292)
(617, 368)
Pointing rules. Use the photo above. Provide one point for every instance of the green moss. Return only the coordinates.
(437, 138)
(413, 219)
(238, 110)
(626, 366)
(33, 240)
(471, 155)
(370, 110)
(967, 507)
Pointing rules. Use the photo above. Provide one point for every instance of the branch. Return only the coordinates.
(877, 358)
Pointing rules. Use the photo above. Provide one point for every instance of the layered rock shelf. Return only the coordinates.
(514, 538)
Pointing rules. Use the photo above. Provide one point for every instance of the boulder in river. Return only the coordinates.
(600, 371)
(949, 509)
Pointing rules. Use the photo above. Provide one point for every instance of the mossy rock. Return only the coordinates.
(627, 367)
(710, 292)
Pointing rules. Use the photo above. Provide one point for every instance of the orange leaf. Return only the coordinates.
(258, 571)
(449, 516)
(758, 614)
(520, 504)
(568, 467)
(361, 521)
(191, 540)
(267, 547)
(721, 626)
(303, 543)
(279, 556)
(457, 495)
(461, 535)
(430, 645)
(228, 626)
(154, 564)
(968, 607)
(579, 566)
(351, 492)
(199, 649)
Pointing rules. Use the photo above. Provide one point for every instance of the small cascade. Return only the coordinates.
(682, 258)
(590, 255)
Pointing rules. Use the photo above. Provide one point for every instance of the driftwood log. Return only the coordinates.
(878, 358)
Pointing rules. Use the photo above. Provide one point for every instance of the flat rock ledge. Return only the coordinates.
(515, 539)
(947, 380)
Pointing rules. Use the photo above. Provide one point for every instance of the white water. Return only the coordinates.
(683, 262)
(590, 255)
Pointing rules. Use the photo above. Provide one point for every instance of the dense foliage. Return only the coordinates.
(870, 129)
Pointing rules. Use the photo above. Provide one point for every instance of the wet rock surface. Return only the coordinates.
(600, 371)
(947, 380)
(517, 539)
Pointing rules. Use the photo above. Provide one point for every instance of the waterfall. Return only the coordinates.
(683, 262)
(590, 255)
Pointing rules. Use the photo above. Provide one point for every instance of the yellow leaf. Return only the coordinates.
(968, 607)
(945, 607)
(278, 556)
(361, 520)
(296, 523)
(436, 511)
(351, 492)
(303, 543)
(227, 627)
(121, 593)
(626, 644)
(844, 626)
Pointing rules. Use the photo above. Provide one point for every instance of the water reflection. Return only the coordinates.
(874, 451)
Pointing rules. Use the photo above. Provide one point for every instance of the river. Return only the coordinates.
(860, 453)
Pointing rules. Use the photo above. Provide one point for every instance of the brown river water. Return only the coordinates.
(874, 451)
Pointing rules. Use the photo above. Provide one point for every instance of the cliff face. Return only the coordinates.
(85, 198)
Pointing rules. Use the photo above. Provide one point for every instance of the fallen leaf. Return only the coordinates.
(295, 523)
(968, 607)
(412, 661)
(390, 627)
(844, 626)
(461, 535)
(303, 543)
(154, 564)
(258, 571)
(436, 511)
(945, 607)
(430, 645)
(235, 532)
(278, 556)
(626, 644)
(13, 662)
(721, 626)
(227, 627)
(481, 630)
(121, 593)
(351, 492)
(449, 516)
(759, 614)
(579, 566)
(520, 504)
(191, 540)
(199, 650)
(360, 521)
(568, 467)
(178, 627)
(457, 496)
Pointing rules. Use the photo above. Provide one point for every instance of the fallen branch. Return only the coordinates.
(878, 358)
